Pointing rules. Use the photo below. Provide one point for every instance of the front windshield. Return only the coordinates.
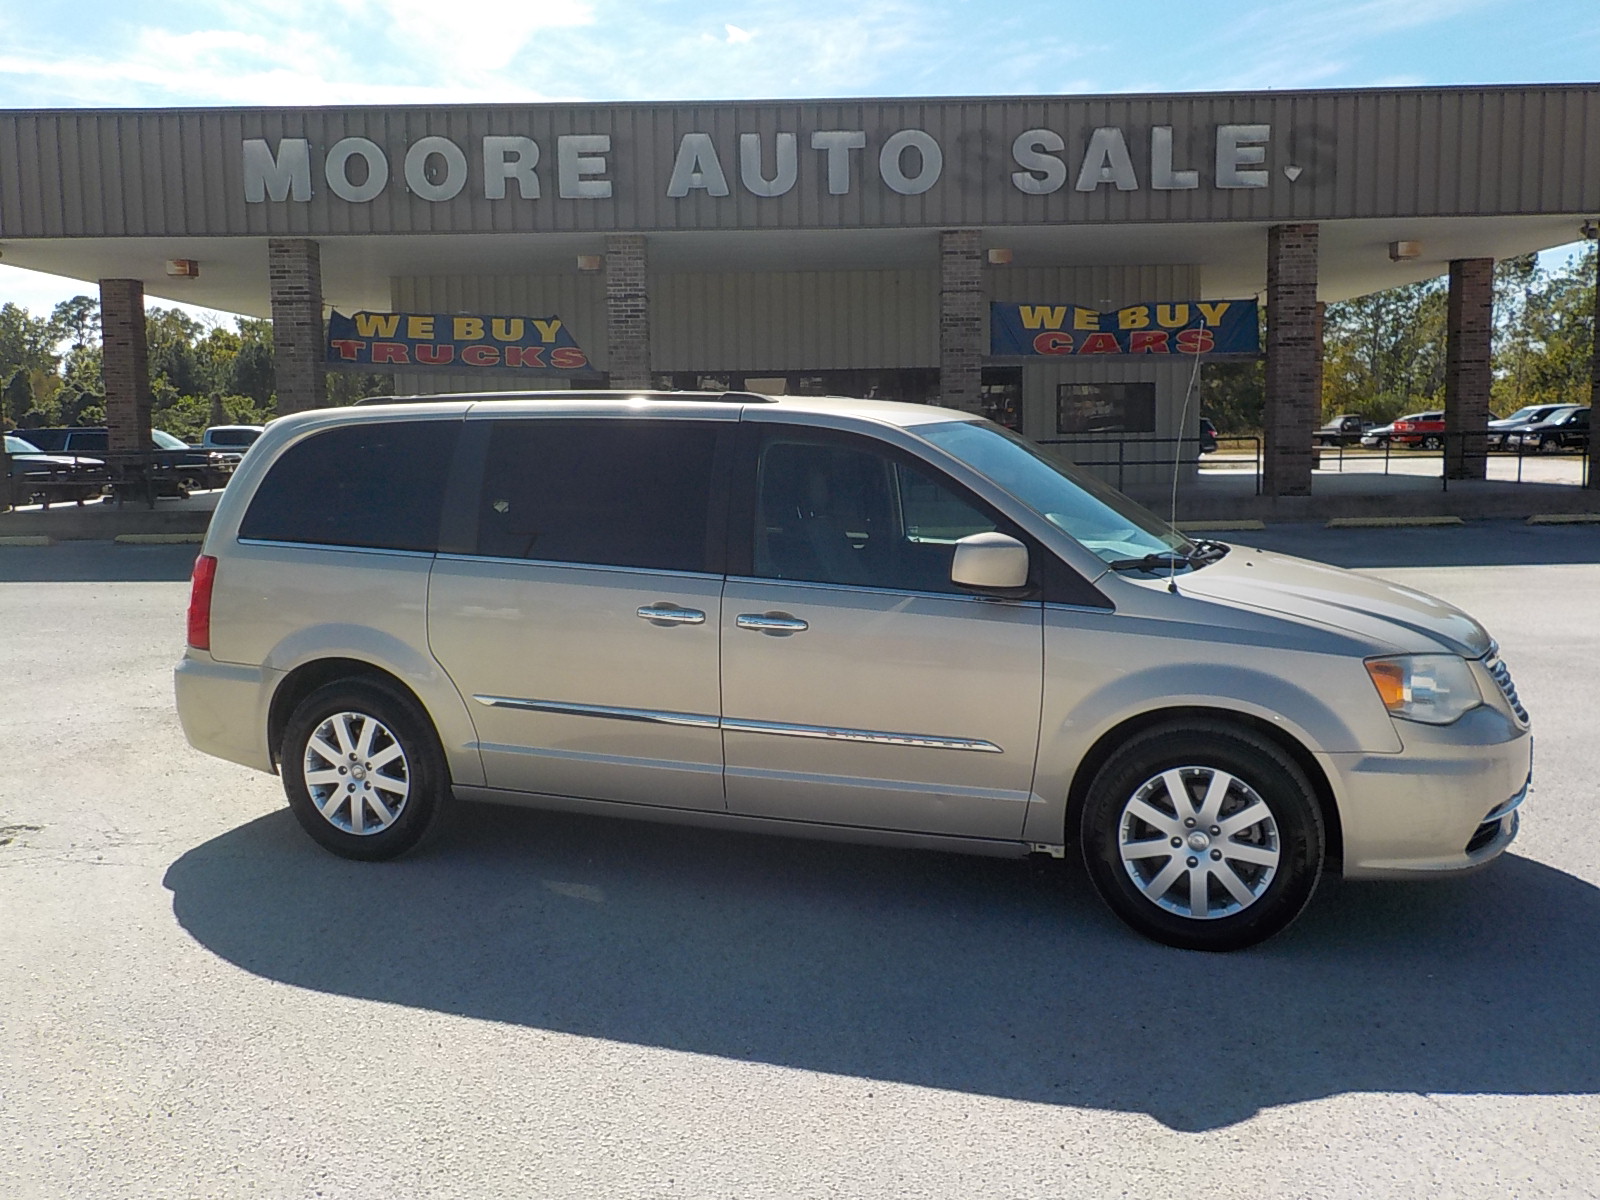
(15, 445)
(1098, 516)
(165, 441)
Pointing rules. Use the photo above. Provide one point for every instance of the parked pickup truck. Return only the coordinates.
(1343, 430)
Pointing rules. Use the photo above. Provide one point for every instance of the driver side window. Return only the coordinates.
(830, 512)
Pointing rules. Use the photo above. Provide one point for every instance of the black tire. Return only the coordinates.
(410, 785)
(1433, 442)
(1549, 445)
(1289, 833)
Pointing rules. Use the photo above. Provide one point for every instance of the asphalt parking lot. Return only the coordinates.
(196, 1001)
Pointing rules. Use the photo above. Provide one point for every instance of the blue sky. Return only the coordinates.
(178, 53)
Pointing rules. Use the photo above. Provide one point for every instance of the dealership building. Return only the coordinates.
(1061, 263)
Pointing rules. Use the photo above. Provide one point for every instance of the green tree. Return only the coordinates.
(1384, 354)
(17, 398)
(77, 321)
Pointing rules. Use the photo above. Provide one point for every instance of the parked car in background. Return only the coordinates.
(1565, 429)
(185, 468)
(230, 441)
(1378, 436)
(37, 476)
(1208, 436)
(1419, 431)
(1528, 414)
(1343, 430)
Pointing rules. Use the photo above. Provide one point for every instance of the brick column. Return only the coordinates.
(125, 363)
(1294, 360)
(1594, 386)
(294, 275)
(627, 311)
(963, 323)
(1469, 325)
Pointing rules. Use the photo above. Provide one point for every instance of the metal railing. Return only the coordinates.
(1469, 445)
(144, 475)
(1185, 452)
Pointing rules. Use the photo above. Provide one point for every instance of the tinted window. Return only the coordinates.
(375, 484)
(604, 492)
(828, 512)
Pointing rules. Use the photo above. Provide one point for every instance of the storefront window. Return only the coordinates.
(1002, 396)
(1106, 408)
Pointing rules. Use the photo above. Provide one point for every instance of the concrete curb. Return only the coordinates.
(24, 540)
(1389, 522)
(1564, 519)
(157, 539)
(1219, 526)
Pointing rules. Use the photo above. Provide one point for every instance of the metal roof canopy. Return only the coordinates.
(1193, 179)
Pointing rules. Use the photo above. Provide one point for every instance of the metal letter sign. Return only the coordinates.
(370, 340)
(1183, 327)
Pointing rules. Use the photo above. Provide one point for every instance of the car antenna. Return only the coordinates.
(1177, 458)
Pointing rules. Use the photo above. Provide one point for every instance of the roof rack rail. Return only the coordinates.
(581, 394)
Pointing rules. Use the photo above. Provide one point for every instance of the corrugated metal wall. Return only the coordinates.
(579, 300)
(1406, 152)
(794, 320)
(1103, 288)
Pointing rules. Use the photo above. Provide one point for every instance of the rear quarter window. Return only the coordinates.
(377, 485)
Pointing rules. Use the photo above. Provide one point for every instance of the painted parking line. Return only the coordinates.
(1389, 522)
(158, 539)
(1219, 526)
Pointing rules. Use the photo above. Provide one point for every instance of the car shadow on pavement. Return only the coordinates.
(991, 976)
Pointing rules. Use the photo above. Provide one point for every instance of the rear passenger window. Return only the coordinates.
(373, 484)
(604, 492)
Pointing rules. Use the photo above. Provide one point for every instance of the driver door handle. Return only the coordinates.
(775, 624)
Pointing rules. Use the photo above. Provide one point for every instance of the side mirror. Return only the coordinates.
(990, 562)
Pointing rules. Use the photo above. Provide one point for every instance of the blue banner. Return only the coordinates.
(375, 341)
(1183, 327)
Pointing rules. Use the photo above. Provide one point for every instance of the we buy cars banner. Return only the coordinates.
(369, 340)
(1178, 327)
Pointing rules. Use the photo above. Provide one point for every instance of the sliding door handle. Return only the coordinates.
(776, 624)
(671, 614)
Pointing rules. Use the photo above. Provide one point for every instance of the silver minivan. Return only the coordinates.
(831, 618)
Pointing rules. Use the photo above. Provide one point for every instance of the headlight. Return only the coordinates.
(1435, 689)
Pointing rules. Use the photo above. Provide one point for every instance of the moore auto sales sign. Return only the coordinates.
(588, 167)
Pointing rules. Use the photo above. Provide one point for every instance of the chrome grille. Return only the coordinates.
(1502, 677)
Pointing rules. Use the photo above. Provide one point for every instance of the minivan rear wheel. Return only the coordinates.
(362, 769)
(1203, 836)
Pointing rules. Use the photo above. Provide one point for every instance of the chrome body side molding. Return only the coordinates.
(926, 741)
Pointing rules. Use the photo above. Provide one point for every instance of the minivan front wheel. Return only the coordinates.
(1203, 836)
(362, 769)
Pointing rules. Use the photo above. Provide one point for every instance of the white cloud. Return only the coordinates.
(737, 35)
(475, 35)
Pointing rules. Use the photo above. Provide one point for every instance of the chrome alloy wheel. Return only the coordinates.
(1198, 842)
(356, 773)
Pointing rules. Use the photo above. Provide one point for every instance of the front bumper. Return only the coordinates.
(1447, 802)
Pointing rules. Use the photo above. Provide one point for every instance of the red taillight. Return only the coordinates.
(205, 574)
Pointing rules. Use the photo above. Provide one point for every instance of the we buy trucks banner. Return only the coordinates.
(1182, 327)
(373, 340)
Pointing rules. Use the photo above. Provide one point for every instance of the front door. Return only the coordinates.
(859, 686)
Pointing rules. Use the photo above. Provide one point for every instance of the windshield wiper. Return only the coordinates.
(1201, 553)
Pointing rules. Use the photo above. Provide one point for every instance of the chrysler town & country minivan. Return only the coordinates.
(835, 618)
